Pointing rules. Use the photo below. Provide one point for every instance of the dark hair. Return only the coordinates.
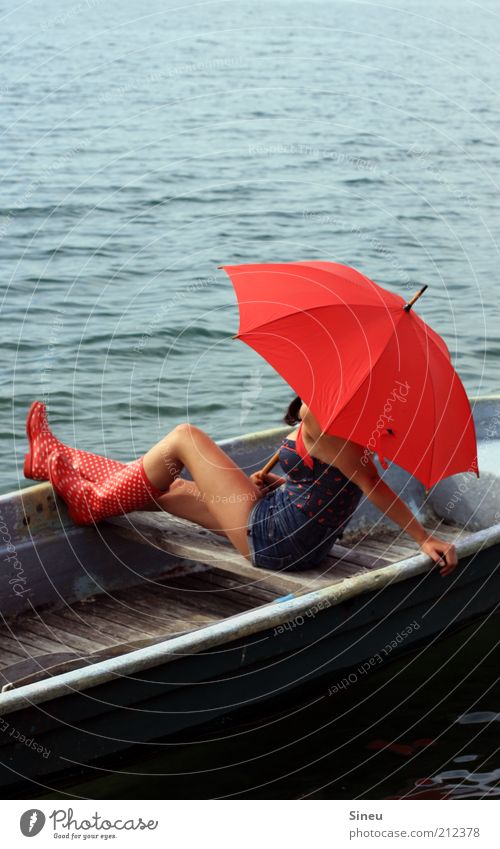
(291, 416)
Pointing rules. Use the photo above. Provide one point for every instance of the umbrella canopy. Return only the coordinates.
(370, 370)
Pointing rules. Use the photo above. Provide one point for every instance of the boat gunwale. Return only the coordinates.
(234, 627)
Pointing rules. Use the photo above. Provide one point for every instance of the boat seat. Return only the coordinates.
(361, 550)
(185, 539)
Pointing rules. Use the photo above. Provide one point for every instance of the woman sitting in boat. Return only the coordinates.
(275, 522)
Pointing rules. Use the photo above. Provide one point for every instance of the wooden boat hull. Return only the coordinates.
(198, 688)
(334, 636)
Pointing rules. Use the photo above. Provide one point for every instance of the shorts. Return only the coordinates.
(280, 536)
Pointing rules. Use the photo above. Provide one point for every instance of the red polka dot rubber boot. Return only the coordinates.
(88, 503)
(42, 442)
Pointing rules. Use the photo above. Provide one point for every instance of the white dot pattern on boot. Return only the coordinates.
(88, 502)
(42, 442)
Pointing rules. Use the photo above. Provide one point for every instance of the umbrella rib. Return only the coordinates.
(296, 310)
(372, 366)
(429, 371)
(429, 336)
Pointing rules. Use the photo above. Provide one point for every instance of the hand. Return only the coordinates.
(443, 553)
(266, 483)
(259, 482)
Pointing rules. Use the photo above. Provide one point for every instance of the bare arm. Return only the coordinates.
(383, 497)
(347, 455)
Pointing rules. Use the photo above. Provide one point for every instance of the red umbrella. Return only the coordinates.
(368, 367)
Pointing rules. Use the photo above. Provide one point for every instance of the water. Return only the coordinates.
(143, 146)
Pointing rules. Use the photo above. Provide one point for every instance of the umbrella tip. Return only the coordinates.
(407, 307)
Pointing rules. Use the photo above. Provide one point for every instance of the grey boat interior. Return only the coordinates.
(73, 596)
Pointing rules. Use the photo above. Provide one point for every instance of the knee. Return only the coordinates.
(185, 430)
(177, 486)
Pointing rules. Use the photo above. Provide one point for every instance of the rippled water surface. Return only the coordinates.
(143, 145)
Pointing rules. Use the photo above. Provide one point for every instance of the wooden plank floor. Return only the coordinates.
(112, 624)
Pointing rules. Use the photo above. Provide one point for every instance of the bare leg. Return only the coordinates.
(185, 501)
(225, 490)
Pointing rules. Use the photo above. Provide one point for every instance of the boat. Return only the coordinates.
(147, 626)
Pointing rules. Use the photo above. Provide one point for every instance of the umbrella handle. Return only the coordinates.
(270, 463)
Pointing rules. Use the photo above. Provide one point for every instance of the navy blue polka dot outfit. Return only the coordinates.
(296, 524)
(320, 490)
